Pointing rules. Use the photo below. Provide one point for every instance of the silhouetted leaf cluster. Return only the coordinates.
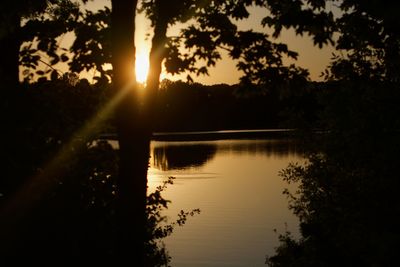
(347, 189)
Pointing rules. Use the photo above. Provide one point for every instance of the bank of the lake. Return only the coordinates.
(214, 135)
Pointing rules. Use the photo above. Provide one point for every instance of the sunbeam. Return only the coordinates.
(51, 175)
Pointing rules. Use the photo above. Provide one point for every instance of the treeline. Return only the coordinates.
(60, 107)
(194, 107)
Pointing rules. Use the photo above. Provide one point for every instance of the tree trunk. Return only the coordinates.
(134, 139)
(9, 47)
(11, 109)
(157, 54)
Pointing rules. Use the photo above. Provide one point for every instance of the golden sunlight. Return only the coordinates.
(142, 67)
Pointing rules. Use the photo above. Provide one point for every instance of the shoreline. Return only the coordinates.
(213, 135)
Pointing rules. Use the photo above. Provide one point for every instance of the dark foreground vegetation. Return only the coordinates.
(347, 195)
(75, 221)
(348, 190)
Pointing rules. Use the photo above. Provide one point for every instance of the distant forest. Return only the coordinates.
(181, 106)
(186, 107)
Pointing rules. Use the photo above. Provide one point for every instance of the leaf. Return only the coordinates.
(55, 60)
(54, 75)
(203, 70)
(189, 79)
(64, 57)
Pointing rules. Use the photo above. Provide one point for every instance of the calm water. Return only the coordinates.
(236, 186)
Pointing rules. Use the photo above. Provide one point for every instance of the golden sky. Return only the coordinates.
(310, 56)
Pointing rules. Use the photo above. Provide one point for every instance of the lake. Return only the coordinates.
(235, 184)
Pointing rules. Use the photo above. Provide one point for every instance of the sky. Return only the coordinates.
(310, 57)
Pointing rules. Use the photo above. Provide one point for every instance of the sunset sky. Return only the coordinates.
(310, 57)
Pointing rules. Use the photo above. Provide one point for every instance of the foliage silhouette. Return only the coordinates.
(346, 190)
(75, 219)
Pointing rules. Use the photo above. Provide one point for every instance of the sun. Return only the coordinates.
(142, 67)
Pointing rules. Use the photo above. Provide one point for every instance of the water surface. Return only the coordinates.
(236, 186)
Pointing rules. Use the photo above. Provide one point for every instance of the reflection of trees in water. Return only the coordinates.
(171, 157)
(281, 148)
(185, 155)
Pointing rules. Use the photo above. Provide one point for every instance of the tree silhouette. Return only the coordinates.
(133, 136)
(345, 189)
